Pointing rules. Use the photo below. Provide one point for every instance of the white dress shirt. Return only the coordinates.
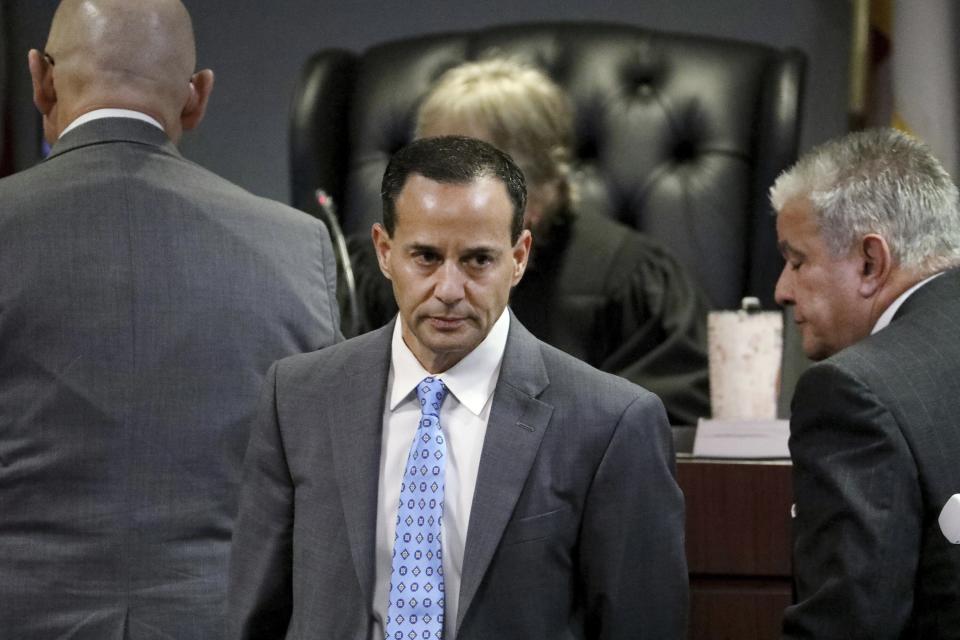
(887, 316)
(97, 114)
(463, 419)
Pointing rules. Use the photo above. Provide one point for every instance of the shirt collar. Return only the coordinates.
(97, 114)
(887, 316)
(471, 381)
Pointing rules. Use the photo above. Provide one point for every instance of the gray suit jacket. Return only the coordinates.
(576, 529)
(875, 440)
(142, 300)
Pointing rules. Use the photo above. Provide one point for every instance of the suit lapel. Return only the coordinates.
(514, 432)
(356, 450)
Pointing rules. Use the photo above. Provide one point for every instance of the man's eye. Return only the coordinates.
(426, 258)
(481, 260)
(795, 265)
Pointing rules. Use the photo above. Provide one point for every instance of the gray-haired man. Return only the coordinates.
(870, 229)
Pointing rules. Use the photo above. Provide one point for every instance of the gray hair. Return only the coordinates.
(879, 181)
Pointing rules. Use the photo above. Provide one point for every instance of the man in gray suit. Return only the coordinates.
(543, 505)
(142, 300)
(870, 229)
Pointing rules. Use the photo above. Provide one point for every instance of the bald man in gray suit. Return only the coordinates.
(142, 300)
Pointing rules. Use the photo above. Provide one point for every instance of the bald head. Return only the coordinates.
(117, 53)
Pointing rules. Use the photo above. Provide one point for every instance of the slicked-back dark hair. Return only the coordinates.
(452, 160)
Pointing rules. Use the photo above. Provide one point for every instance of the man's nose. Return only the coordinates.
(450, 283)
(783, 293)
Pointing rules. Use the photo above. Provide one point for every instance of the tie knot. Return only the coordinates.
(431, 392)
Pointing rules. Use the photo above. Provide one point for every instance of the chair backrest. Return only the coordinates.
(678, 136)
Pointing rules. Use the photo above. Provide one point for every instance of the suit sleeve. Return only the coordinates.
(858, 518)
(259, 597)
(633, 562)
(663, 333)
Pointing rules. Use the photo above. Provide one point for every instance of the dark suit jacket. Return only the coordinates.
(142, 300)
(576, 529)
(875, 440)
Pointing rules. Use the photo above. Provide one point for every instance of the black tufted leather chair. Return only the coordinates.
(679, 136)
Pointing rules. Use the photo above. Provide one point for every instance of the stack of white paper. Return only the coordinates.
(742, 439)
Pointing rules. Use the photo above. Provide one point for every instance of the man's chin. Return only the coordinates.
(461, 340)
(451, 341)
(817, 351)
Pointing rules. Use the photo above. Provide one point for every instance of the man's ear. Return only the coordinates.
(41, 74)
(521, 255)
(876, 264)
(201, 86)
(382, 244)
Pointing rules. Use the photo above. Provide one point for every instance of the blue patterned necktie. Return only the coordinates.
(415, 610)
